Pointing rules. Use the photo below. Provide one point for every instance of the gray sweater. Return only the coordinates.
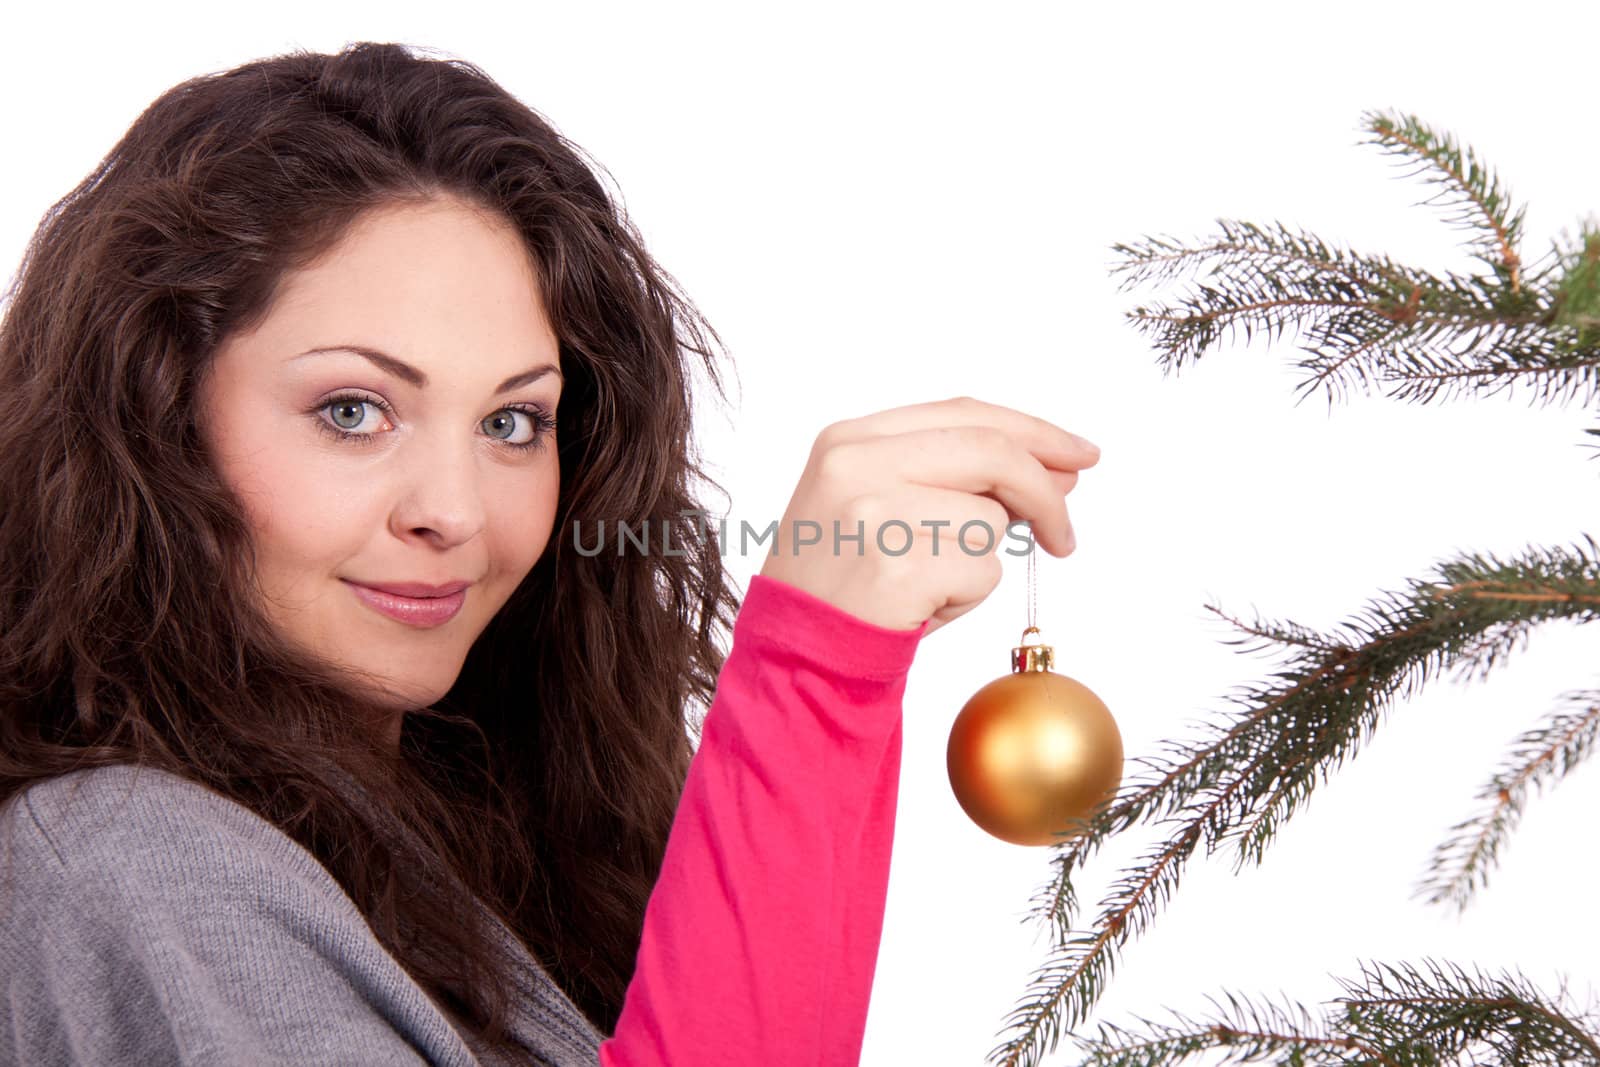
(145, 919)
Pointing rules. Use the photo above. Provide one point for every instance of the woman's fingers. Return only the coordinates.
(947, 522)
(976, 459)
(1052, 445)
(884, 566)
(909, 509)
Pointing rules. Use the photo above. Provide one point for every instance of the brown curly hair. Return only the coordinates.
(546, 780)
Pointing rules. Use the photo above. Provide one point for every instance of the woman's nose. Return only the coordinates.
(441, 498)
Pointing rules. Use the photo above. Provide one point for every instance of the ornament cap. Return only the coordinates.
(1026, 657)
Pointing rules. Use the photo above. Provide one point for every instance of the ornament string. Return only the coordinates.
(1033, 582)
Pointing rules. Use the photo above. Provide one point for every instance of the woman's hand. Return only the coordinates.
(931, 468)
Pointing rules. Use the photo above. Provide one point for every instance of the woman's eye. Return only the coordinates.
(503, 425)
(350, 414)
(352, 418)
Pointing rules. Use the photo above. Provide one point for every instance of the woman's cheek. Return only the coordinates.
(522, 521)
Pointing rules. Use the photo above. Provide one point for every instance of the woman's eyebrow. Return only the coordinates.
(406, 372)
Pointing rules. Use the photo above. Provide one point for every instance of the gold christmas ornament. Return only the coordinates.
(1033, 752)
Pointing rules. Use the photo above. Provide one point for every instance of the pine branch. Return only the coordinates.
(1457, 630)
(1246, 1032)
(1250, 776)
(1485, 358)
(1398, 1019)
(1080, 966)
(1246, 252)
(1271, 278)
(1469, 186)
(1545, 754)
(1367, 321)
(1456, 1013)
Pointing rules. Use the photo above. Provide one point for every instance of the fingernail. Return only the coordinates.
(1088, 444)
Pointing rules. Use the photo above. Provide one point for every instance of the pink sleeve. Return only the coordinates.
(761, 936)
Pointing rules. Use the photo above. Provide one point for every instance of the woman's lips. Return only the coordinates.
(411, 610)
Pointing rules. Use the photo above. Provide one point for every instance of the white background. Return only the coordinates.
(883, 204)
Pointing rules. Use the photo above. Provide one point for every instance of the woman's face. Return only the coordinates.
(391, 424)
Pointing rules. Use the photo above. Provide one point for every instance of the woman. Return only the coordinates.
(320, 739)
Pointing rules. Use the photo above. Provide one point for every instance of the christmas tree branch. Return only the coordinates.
(1421, 634)
(1468, 185)
(1545, 754)
(1398, 1018)
(1453, 1014)
(1247, 1032)
(1367, 319)
(1247, 779)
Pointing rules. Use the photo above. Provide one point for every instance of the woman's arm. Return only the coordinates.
(761, 937)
